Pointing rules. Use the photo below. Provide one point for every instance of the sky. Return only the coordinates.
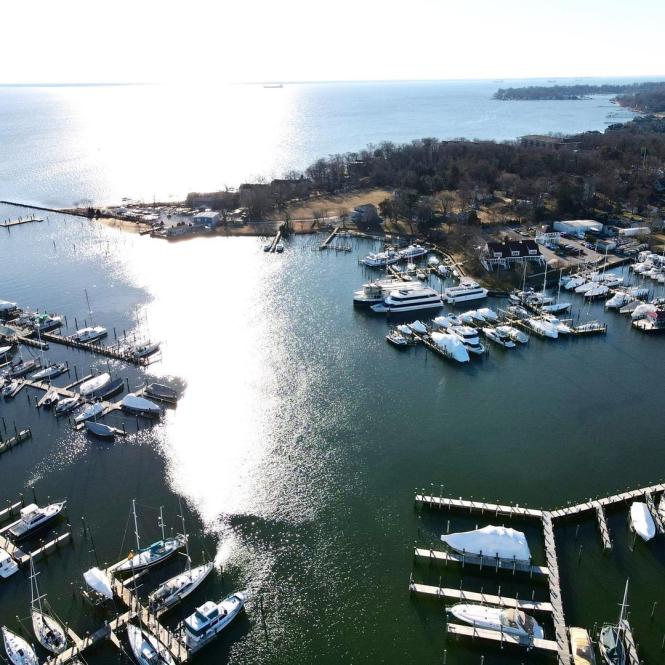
(201, 41)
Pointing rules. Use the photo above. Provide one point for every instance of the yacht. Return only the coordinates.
(498, 337)
(581, 647)
(87, 388)
(90, 334)
(418, 327)
(210, 619)
(23, 367)
(18, 650)
(561, 327)
(109, 390)
(5, 351)
(51, 371)
(641, 521)
(160, 391)
(467, 290)
(375, 292)
(451, 346)
(381, 259)
(66, 405)
(574, 282)
(147, 649)
(132, 403)
(543, 328)
(586, 286)
(51, 398)
(412, 251)
(556, 308)
(396, 338)
(469, 337)
(597, 291)
(488, 314)
(509, 621)
(172, 591)
(46, 323)
(619, 299)
(406, 300)
(100, 430)
(7, 565)
(145, 350)
(514, 334)
(9, 388)
(50, 634)
(34, 518)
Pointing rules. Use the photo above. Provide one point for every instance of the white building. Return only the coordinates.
(578, 227)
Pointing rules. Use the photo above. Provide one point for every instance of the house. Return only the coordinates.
(208, 218)
(365, 214)
(498, 255)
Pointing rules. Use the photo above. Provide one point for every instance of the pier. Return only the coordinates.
(94, 347)
(22, 557)
(18, 438)
(275, 241)
(329, 239)
(21, 220)
(602, 525)
(500, 636)
(482, 561)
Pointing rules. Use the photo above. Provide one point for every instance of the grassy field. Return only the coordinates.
(333, 206)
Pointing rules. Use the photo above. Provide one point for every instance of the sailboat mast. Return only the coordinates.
(161, 522)
(184, 533)
(136, 526)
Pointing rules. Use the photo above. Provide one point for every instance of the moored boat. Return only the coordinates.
(160, 391)
(133, 403)
(451, 346)
(641, 520)
(147, 649)
(33, 518)
(51, 371)
(172, 591)
(7, 565)
(404, 300)
(89, 335)
(581, 647)
(18, 650)
(66, 405)
(505, 620)
(91, 411)
(100, 430)
(95, 384)
(491, 541)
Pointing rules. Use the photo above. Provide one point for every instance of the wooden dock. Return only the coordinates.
(500, 636)
(602, 525)
(480, 506)
(21, 220)
(18, 438)
(489, 562)
(657, 519)
(330, 238)
(22, 557)
(480, 598)
(629, 641)
(94, 347)
(622, 497)
(10, 510)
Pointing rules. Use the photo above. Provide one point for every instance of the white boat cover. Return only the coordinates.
(488, 314)
(452, 345)
(133, 402)
(642, 310)
(418, 326)
(642, 521)
(405, 330)
(98, 581)
(97, 382)
(492, 541)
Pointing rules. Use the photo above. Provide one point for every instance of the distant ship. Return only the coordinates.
(273, 85)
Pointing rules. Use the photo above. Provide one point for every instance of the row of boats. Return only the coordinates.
(196, 630)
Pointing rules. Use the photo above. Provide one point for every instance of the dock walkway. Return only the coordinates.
(94, 347)
(499, 636)
(490, 562)
(21, 220)
(20, 437)
(329, 239)
(629, 641)
(602, 525)
(482, 506)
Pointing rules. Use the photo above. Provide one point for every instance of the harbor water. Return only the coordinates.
(300, 440)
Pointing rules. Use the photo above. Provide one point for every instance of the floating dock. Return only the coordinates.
(329, 239)
(490, 562)
(18, 438)
(499, 636)
(21, 220)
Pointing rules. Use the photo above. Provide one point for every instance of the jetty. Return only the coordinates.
(275, 241)
(329, 239)
(94, 347)
(21, 220)
(481, 561)
(500, 636)
(18, 438)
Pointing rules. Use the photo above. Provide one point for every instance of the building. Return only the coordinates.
(503, 255)
(634, 231)
(578, 227)
(365, 214)
(549, 142)
(208, 218)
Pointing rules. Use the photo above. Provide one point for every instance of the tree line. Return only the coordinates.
(579, 91)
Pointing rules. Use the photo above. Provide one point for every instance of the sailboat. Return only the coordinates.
(180, 586)
(50, 634)
(557, 306)
(18, 650)
(147, 649)
(156, 553)
(610, 643)
(91, 333)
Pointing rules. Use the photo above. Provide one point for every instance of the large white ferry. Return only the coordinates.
(405, 300)
(381, 259)
(376, 291)
(467, 290)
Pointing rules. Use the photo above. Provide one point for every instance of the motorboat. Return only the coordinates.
(91, 386)
(33, 518)
(467, 290)
(556, 308)
(23, 367)
(160, 391)
(518, 311)
(67, 405)
(642, 310)
(90, 412)
(641, 521)
(586, 286)
(488, 314)
(514, 334)
(472, 316)
(133, 403)
(147, 649)
(543, 328)
(505, 620)
(403, 329)
(498, 337)
(619, 299)
(145, 350)
(561, 327)
(10, 388)
(89, 334)
(18, 650)
(48, 631)
(492, 541)
(210, 619)
(396, 338)
(451, 346)
(443, 322)
(375, 292)
(100, 430)
(581, 647)
(381, 259)
(405, 300)
(418, 327)
(412, 251)
(469, 337)
(51, 398)
(109, 390)
(45, 323)
(7, 565)
(172, 591)
(51, 371)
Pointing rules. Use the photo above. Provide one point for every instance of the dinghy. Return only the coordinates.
(95, 384)
(642, 521)
(132, 403)
(18, 650)
(147, 649)
(581, 647)
(491, 541)
(99, 430)
(505, 620)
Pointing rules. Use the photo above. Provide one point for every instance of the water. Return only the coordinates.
(77, 145)
(302, 435)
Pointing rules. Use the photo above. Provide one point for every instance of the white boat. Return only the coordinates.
(556, 308)
(7, 565)
(514, 334)
(147, 649)
(90, 412)
(50, 371)
(375, 292)
(574, 282)
(619, 299)
(498, 337)
(641, 521)
(403, 329)
(18, 650)
(467, 290)
(451, 346)
(433, 261)
(561, 327)
(90, 334)
(442, 322)
(160, 391)
(49, 633)
(34, 518)
(66, 405)
(412, 251)
(543, 328)
(23, 367)
(172, 591)
(505, 620)
(5, 350)
(597, 291)
(642, 310)
(586, 286)
(581, 647)
(418, 327)
(100, 430)
(381, 259)
(492, 541)
(145, 350)
(99, 582)
(409, 300)
(9, 388)
(279, 247)
(210, 619)
(93, 385)
(488, 314)
(132, 403)
(6, 306)
(469, 337)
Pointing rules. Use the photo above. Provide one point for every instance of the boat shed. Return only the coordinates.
(208, 218)
(578, 227)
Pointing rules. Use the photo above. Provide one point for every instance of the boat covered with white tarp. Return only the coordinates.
(99, 582)
(492, 541)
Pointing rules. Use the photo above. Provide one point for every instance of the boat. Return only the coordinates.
(514, 334)
(279, 247)
(556, 308)
(375, 292)
(619, 299)
(398, 339)
(51, 398)
(451, 346)
(492, 541)
(5, 351)
(18, 650)
(543, 328)
(89, 334)
(469, 337)
(418, 327)
(488, 314)
(99, 582)
(641, 521)
(586, 286)
(561, 327)
(87, 388)
(433, 261)
(611, 640)
(132, 403)
(147, 649)
(505, 620)
(23, 367)
(574, 282)
(6, 306)
(405, 300)
(467, 290)
(412, 251)
(444, 322)
(99, 430)
(66, 405)
(499, 337)
(90, 411)
(581, 647)
(109, 390)
(267, 246)
(33, 518)
(642, 310)
(150, 556)
(381, 259)
(46, 323)
(160, 391)
(9, 388)
(48, 631)
(7, 565)
(51, 371)
(597, 291)
(145, 350)
(210, 619)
